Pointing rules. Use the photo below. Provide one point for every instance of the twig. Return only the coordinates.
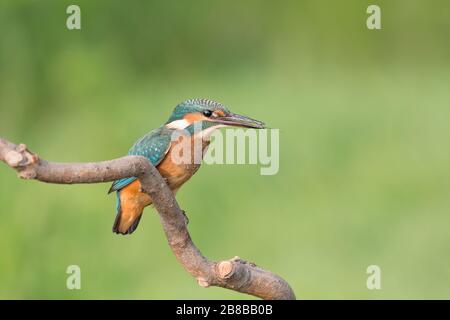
(235, 274)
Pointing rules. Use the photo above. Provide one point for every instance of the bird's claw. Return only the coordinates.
(186, 219)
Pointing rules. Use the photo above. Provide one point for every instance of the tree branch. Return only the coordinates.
(235, 274)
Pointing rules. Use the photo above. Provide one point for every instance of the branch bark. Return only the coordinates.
(234, 274)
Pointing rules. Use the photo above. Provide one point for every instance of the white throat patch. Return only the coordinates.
(178, 124)
(206, 134)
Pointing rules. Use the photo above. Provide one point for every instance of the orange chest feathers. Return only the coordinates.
(182, 160)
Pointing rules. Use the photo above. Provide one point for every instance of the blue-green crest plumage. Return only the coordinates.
(195, 105)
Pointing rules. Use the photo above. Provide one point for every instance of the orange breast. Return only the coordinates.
(175, 173)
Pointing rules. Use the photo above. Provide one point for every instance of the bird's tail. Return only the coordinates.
(127, 217)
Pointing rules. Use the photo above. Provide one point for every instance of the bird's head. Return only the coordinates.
(210, 114)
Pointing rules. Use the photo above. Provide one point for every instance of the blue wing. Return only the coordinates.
(154, 146)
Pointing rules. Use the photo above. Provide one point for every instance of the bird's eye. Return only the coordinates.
(207, 113)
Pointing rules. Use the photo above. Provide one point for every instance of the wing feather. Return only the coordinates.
(154, 146)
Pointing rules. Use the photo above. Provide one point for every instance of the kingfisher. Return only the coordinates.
(193, 120)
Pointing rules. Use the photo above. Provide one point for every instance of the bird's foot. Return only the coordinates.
(186, 219)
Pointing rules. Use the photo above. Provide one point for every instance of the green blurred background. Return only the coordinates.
(364, 143)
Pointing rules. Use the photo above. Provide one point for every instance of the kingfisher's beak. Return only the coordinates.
(237, 120)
